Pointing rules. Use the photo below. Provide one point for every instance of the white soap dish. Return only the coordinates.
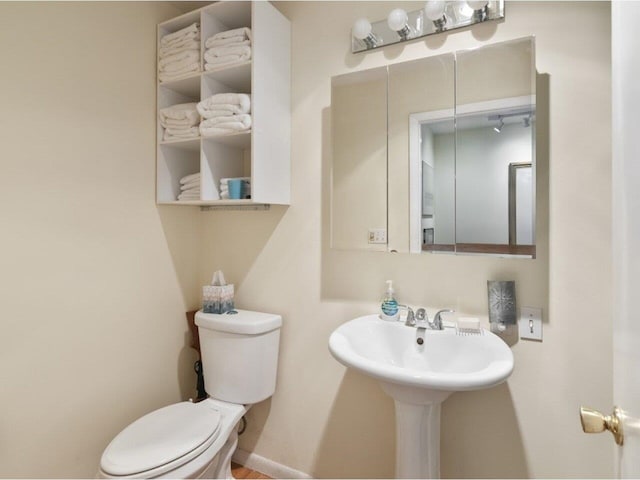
(468, 326)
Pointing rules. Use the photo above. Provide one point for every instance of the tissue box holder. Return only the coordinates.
(217, 299)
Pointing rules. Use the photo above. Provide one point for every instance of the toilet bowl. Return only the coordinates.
(197, 440)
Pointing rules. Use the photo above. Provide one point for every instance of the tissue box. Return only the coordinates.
(217, 298)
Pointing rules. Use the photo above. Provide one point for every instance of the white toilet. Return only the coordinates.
(196, 440)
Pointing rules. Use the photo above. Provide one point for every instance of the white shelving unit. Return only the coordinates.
(262, 153)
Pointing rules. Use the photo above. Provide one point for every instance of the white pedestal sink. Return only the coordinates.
(420, 377)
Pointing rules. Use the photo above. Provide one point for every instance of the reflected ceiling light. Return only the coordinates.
(498, 129)
(398, 21)
(362, 31)
(479, 9)
(527, 121)
(434, 11)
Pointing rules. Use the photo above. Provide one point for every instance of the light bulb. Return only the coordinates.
(434, 10)
(361, 28)
(477, 4)
(397, 19)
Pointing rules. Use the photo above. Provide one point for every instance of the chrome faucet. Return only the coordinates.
(411, 317)
(436, 324)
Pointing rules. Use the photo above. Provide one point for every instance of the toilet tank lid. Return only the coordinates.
(244, 322)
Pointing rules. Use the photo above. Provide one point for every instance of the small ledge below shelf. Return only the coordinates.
(191, 144)
(236, 76)
(188, 85)
(237, 140)
(247, 204)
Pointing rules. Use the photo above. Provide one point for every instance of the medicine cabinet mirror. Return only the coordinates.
(437, 154)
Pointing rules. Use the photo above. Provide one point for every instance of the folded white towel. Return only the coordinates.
(222, 111)
(190, 178)
(243, 32)
(180, 133)
(223, 129)
(179, 115)
(187, 44)
(221, 42)
(191, 185)
(235, 102)
(187, 31)
(244, 119)
(188, 70)
(179, 61)
(226, 61)
(214, 53)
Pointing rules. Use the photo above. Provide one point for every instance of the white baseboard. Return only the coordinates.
(266, 466)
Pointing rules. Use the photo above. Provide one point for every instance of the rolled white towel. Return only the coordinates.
(190, 178)
(244, 32)
(244, 118)
(181, 114)
(236, 102)
(186, 32)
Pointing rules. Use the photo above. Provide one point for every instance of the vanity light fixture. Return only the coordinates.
(498, 129)
(479, 8)
(362, 31)
(434, 10)
(398, 22)
(435, 17)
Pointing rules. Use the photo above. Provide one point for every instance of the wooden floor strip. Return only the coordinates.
(240, 472)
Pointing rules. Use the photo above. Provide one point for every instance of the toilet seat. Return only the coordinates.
(162, 440)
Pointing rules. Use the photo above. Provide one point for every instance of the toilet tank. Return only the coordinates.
(239, 354)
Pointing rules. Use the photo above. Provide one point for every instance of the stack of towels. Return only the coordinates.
(227, 48)
(179, 53)
(190, 188)
(225, 114)
(246, 187)
(180, 121)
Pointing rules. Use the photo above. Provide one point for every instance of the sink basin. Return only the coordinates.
(445, 361)
(420, 377)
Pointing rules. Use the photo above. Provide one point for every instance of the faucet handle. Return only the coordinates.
(437, 320)
(411, 318)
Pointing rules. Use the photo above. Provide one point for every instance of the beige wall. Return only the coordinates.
(328, 421)
(94, 278)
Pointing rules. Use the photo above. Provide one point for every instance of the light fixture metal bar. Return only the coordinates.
(458, 15)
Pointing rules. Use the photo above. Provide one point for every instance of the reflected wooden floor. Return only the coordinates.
(238, 471)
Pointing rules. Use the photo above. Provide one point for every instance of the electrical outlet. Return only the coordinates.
(377, 235)
(530, 323)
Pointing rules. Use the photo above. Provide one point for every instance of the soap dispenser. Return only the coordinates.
(389, 305)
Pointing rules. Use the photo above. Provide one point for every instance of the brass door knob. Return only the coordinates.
(595, 422)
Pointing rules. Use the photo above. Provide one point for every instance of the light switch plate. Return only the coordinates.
(530, 323)
(377, 235)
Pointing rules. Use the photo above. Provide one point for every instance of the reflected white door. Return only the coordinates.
(626, 230)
